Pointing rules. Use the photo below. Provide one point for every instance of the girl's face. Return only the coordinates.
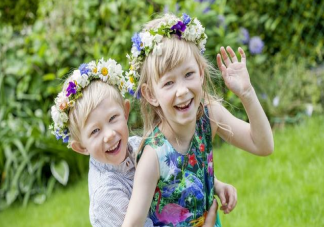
(179, 91)
(105, 134)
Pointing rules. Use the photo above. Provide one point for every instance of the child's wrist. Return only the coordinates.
(248, 94)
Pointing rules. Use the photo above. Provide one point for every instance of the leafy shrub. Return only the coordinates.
(288, 28)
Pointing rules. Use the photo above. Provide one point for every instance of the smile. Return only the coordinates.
(114, 149)
(184, 106)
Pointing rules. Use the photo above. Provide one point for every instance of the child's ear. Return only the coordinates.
(147, 94)
(127, 108)
(77, 147)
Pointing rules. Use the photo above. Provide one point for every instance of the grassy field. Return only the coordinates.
(284, 189)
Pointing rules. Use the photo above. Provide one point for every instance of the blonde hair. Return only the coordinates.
(174, 52)
(92, 95)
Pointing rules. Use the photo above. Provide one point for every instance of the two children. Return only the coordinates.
(91, 115)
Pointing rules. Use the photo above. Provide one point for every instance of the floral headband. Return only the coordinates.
(107, 71)
(151, 41)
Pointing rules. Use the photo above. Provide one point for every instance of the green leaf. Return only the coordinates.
(39, 199)
(49, 76)
(11, 195)
(60, 171)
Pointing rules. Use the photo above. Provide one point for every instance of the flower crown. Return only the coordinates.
(107, 71)
(151, 41)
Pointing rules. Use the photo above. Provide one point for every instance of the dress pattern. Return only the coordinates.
(185, 190)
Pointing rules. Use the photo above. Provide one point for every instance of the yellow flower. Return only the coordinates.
(104, 71)
(131, 79)
(94, 70)
(132, 67)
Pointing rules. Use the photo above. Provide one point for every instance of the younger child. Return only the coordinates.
(181, 117)
(91, 115)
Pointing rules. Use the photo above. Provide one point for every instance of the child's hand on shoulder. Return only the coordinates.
(227, 195)
(234, 72)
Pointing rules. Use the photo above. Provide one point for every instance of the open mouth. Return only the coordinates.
(114, 149)
(184, 106)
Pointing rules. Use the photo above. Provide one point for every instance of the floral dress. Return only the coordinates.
(185, 190)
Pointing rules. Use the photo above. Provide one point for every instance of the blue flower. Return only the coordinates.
(84, 69)
(131, 91)
(57, 135)
(192, 191)
(136, 39)
(66, 139)
(186, 19)
(244, 36)
(256, 45)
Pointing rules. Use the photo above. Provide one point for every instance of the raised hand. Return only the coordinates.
(234, 72)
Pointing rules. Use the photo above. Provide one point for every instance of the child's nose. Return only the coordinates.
(182, 90)
(110, 135)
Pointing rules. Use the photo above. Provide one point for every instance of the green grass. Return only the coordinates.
(66, 207)
(284, 189)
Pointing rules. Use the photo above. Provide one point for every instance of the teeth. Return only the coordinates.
(113, 148)
(184, 105)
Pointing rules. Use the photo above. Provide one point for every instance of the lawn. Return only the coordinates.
(284, 189)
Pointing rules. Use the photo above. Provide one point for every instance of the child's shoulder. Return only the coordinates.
(134, 142)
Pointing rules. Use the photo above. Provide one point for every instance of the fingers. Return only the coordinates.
(219, 62)
(229, 56)
(232, 200)
(243, 57)
(225, 57)
(211, 216)
(232, 54)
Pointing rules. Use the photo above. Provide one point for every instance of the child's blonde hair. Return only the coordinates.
(92, 96)
(174, 52)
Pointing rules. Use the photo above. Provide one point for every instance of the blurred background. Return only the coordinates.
(42, 183)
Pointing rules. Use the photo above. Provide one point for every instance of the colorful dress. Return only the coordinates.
(185, 190)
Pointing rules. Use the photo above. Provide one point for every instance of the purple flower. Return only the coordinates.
(136, 39)
(131, 91)
(244, 36)
(138, 94)
(186, 19)
(178, 28)
(256, 45)
(84, 69)
(71, 89)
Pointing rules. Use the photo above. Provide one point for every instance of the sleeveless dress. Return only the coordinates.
(185, 190)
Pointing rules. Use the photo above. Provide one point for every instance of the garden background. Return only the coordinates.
(42, 183)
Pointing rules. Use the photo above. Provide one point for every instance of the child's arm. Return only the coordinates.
(256, 136)
(227, 195)
(146, 177)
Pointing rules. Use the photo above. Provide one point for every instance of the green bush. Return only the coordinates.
(289, 28)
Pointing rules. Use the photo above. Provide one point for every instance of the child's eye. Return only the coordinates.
(168, 83)
(189, 74)
(95, 131)
(112, 118)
